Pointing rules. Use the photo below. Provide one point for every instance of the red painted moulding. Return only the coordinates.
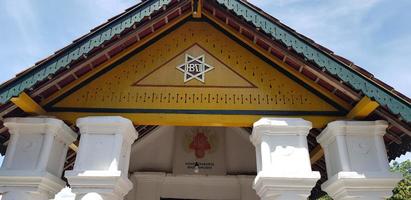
(159, 24)
(247, 34)
(130, 42)
(233, 24)
(325, 85)
(292, 64)
(96, 62)
(173, 15)
(66, 81)
(309, 74)
(79, 73)
(145, 33)
(220, 15)
(263, 45)
(115, 50)
(343, 96)
(277, 54)
(49, 91)
(185, 8)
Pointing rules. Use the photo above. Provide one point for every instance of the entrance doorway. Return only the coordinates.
(193, 163)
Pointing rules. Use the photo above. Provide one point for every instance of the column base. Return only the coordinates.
(98, 185)
(285, 188)
(366, 186)
(29, 185)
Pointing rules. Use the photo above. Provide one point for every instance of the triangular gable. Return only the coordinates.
(241, 82)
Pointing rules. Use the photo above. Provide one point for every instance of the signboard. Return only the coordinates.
(199, 150)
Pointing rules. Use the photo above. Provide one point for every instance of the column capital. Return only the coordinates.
(38, 125)
(108, 125)
(356, 159)
(279, 126)
(353, 128)
(34, 158)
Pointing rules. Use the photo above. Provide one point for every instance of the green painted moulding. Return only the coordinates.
(357, 81)
(94, 40)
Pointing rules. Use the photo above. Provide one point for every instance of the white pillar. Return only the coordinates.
(357, 163)
(101, 168)
(283, 161)
(35, 158)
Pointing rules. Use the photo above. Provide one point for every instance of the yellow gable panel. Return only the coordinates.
(195, 69)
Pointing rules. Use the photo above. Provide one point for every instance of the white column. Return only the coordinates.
(101, 168)
(283, 161)
(357, 164)
(35, 158)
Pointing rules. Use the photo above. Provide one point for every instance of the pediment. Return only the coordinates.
(229, 79)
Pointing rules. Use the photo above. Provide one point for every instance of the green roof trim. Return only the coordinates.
(93, 40)
(348, 75)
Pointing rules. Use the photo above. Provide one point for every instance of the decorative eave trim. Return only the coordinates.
(80, 48)
(371, 89)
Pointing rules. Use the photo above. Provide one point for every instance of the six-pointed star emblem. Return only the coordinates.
(195, 68)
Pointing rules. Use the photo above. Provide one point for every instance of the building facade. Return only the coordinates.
(205, 100)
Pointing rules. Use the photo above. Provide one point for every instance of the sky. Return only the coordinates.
(374, 34)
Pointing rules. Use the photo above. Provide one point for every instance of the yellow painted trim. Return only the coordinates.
(199, 8)
(27, 104)
(281, 63)
(192, 120)
(363, 108)
(73, 147)
(114, 59)
(316, 154)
